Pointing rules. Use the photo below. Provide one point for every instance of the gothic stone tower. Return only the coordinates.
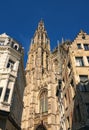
(40, 103)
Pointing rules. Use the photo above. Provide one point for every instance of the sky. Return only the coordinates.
(62, 18)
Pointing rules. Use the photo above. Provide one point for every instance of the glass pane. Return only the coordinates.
(10, 64)
(79, 61)
(46, 102)
(7, 95)
(86, 46)
(79, 46)
(43, 102)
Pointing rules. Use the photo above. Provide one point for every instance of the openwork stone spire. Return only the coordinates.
(40, 35)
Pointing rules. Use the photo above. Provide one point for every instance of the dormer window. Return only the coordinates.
(86, 46)
(79, 45)
(16, 46)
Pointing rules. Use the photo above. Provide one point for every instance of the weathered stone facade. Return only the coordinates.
(73, 88)
(12, 83)
(64, 73)
(56, 95)
(41, 109)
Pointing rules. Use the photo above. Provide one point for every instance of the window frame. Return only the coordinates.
(10, 64)
(88, 59)
(43, 101)
(79, 61)
(86, 47)
(6, 97)
(79, 46)
(83, 86)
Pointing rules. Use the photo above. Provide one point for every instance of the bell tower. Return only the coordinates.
(39, 52)
(40, 104)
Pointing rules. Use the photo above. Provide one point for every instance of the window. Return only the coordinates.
(0, 91)
(86, 46)
(44, 101)
(84, 86)
(6, 95)
(16, 46)
(10, 64)
(87, 108)
(79, 46)
(83, 78)
(79, 61)
(88, 59)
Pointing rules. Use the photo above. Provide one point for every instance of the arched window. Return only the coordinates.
(44, 101)
(16, 46)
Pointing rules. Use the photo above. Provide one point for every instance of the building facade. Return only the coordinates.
(73, 88)
(56, 93)
(12, 83)
(63, 73)
(41, 111)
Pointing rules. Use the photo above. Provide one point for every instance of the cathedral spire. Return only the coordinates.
(41, 25)
(39, 49)
(40, 36)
